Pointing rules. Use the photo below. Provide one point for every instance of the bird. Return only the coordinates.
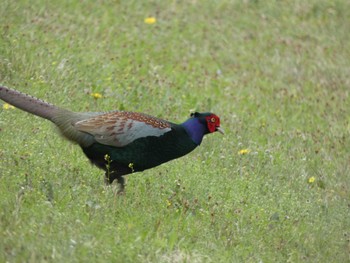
(120, 142)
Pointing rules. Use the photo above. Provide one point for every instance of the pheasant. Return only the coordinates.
(121, 142)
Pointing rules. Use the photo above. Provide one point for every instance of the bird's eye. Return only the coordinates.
(213, 119)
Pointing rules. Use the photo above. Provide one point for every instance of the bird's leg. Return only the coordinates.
(111, 176)
(121, 182)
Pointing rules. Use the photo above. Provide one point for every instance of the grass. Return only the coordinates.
(277, 73)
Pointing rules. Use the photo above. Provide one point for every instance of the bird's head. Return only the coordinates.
(200, 124)
(211, 121)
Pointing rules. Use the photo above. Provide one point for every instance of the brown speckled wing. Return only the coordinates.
(120, 128)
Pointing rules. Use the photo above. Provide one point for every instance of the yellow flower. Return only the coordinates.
(243, 151)
(7, 106)
(131, 166)
(311, 180)
(96, 95)
(107, 157)
(150, 20)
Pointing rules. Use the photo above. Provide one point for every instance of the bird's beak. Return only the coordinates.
(219, 129)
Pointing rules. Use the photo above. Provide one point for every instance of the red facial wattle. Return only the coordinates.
(213, 123)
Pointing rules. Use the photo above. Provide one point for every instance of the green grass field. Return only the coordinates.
(275, 188)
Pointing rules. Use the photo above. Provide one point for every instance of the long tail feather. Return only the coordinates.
(29, 103)
(64, 119)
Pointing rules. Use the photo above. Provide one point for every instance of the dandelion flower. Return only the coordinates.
(96, 95)
(7, 106)
(311, 180)
(243, 151)
(150, 20)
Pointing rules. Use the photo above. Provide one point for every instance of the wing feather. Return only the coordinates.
(120, 128)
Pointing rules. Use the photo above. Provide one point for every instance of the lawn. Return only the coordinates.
(275, 188)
